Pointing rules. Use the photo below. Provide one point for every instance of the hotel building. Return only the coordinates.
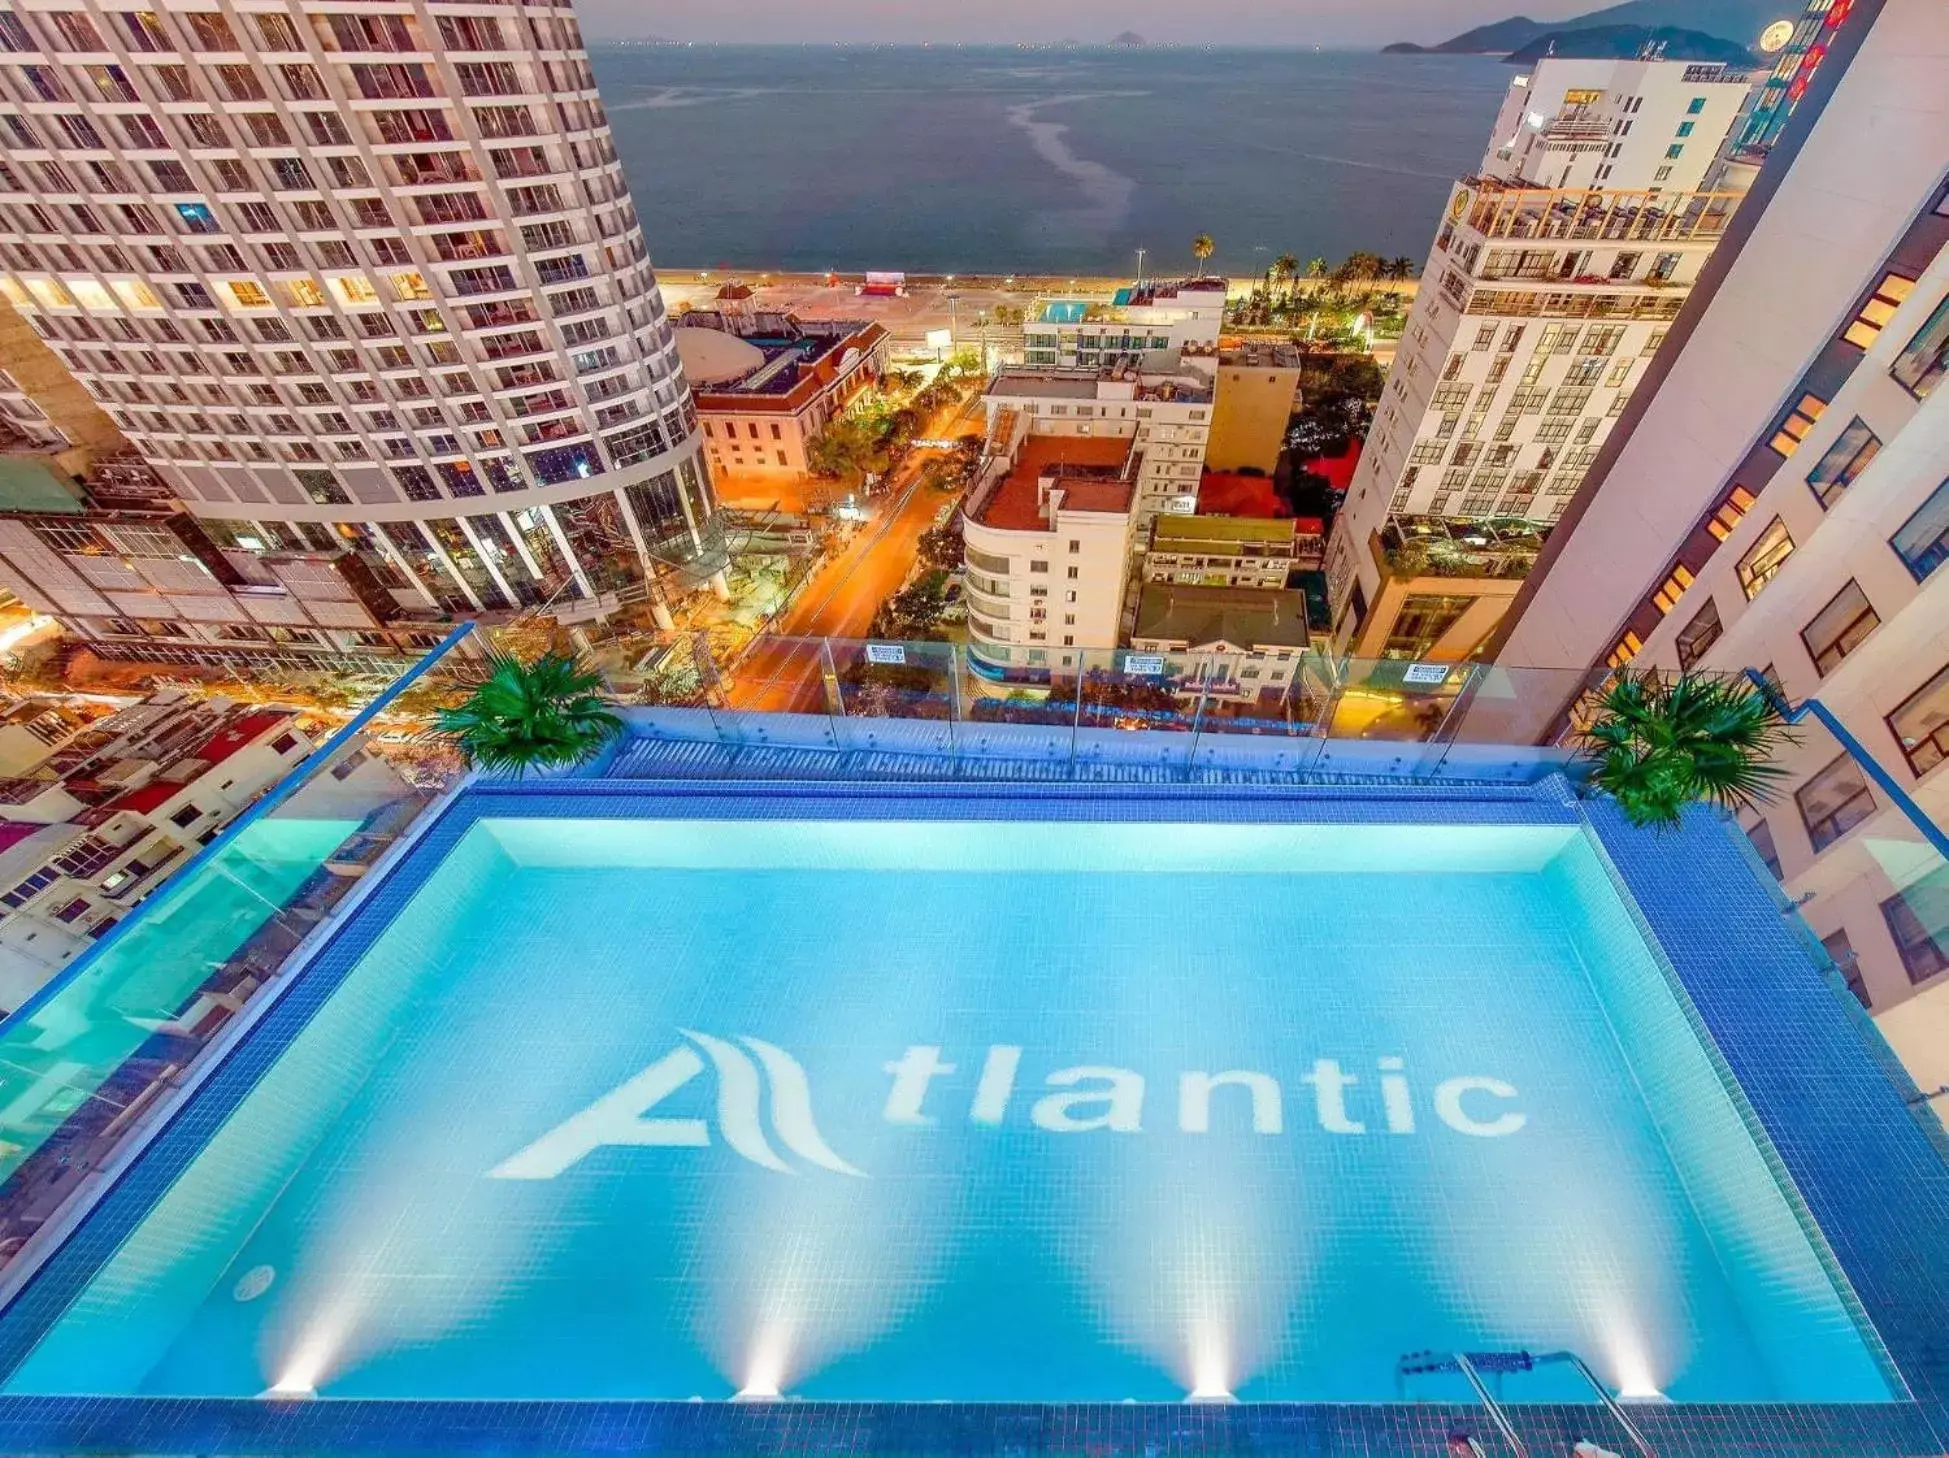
(1554, 278)
(765, 388)
(1164, 414)
(1774, 499)
(1049, 537)
(359, 283)
(1155, 323)
(1258, 390)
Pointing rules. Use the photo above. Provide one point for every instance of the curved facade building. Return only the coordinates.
(361, 283)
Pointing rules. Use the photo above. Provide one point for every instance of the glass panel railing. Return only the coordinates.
(1280, 712)
(903, 698)
(85, 1060)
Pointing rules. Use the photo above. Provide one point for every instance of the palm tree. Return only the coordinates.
(1662, 743)
(522, 716)
(1316, 268)
(1363, 267)
(1285, 268)
(1400, 268)
(1201, 249)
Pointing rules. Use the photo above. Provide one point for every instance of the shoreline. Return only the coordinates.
(932, 302)
(685, 275)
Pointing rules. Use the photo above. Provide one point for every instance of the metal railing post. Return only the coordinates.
(1076, 723)
(953, 703)
(1198, 717)
(835, 699)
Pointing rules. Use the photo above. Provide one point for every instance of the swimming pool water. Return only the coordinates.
(901, 1110)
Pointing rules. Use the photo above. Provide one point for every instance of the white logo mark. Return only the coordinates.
(619, 1117)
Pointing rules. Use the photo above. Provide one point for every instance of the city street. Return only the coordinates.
(783, 672)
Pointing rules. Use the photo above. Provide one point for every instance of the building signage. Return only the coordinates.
(885, 653)
(1426, 673)
(1147, 663)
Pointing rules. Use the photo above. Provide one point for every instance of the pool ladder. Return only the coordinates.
(1473, 1364)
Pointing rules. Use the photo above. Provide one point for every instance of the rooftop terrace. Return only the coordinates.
(1089, 469)
(812, 355)
(1119, 381)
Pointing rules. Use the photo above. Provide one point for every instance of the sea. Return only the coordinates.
(1004, 160)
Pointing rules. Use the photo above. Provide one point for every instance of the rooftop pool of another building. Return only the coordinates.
(1060, 1098)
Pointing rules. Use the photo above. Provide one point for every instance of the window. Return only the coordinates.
(1847, 458)
(1839, 628)
(184, 818)
(209, 31)
(1730, 512)
(1918, 920)
(1761, 835)
(1038, 566)
(1846, 963)
(1685, 128)
(1923, 540)
(1699, 635)
(1675, 151)
(1765, 558)
(1697, 106)
(1422, 621)
(1799, 421)
(1922, 364)
(1921, 725)
(1667, 596)
(1834, 801)
(1879, 309)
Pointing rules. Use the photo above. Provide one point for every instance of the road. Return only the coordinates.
(783, 675)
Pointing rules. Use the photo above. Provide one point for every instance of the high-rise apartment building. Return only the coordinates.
(358, 282)
(1555, 275)
(1774, 500)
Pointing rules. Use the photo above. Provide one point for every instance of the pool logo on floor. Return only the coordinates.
(619, 1117)
(1077, 1100)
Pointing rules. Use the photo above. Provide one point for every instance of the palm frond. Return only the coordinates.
(522, 716)
(1662, 743)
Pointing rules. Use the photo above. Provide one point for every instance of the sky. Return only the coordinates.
(1220, 22)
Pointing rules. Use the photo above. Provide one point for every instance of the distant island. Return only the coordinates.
(1622, 42)
(1128, 40)
(1692, 30)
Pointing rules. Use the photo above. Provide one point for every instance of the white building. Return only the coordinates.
(1577, 125)
(1775, 500)
(357, 282)
(1164, 415)
(1554, 278)
(99, 822)
(1049, 533)
(1154, 322)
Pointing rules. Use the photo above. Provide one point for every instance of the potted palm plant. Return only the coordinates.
(522, 716)
(1661, 743)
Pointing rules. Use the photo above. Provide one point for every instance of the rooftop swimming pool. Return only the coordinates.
(877, 1108)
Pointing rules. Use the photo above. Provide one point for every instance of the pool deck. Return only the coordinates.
(1825, 1095)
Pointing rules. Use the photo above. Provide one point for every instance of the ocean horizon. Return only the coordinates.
(1007, 159)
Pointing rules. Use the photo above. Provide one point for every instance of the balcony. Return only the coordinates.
(1499, 211)
(1412, 547)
